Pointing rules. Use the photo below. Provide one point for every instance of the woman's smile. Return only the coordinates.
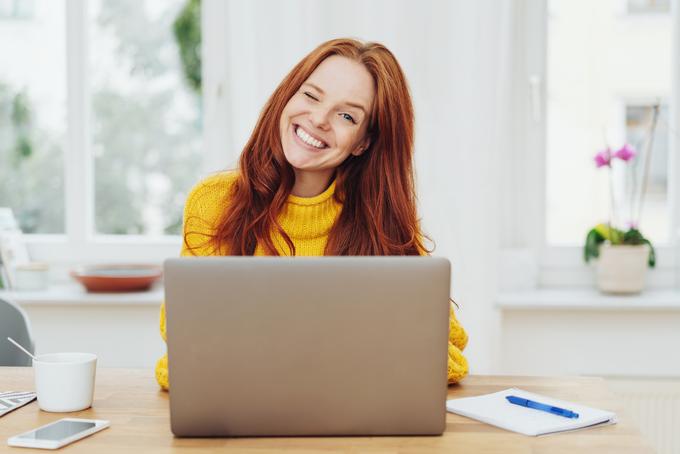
(307, 140)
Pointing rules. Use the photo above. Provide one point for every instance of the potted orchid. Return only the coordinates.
(623, 254)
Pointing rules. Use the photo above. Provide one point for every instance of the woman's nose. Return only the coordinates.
(319, 118)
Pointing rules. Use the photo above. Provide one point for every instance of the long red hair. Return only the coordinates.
(376, 188)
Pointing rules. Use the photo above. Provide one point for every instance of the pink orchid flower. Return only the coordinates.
(625, 153)
(603, 158)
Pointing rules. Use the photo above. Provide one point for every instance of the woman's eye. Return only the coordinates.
(348, 117)
(309, 95)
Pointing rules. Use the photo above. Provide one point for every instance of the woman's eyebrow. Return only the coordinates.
(351, 104)
(357, 106)
(315, 87)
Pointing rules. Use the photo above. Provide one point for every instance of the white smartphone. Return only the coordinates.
(58, 434)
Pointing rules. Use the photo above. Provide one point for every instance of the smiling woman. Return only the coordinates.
(328, 170)
(332, 119)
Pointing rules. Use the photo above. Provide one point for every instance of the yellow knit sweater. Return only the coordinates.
(307, 222)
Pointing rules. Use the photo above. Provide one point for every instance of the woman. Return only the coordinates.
(327, 171)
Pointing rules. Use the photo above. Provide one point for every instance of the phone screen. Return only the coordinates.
(58, 431)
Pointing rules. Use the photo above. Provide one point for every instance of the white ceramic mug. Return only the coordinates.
(65, 381)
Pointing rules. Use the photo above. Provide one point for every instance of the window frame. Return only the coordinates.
(80, 243)
(526, 260)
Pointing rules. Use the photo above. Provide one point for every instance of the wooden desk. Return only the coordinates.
(139, 417)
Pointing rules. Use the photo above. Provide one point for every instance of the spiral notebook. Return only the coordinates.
(494, 409)
(11, 400)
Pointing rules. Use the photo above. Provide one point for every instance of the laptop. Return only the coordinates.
(307, 346)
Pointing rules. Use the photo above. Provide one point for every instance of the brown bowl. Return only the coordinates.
(117, 278)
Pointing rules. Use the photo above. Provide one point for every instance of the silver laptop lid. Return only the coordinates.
(267, 346)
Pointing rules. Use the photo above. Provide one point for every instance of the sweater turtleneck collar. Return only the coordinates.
(310, 217)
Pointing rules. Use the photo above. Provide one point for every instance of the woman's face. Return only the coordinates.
(326, 120)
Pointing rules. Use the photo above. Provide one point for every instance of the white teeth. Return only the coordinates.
(306, 138)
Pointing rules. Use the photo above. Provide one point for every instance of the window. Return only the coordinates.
(587, 75)
(33, 113)
(596, 64)
(146, 120)
(100, 125)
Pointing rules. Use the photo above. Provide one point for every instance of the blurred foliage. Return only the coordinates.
(21, 121)
(187, 28)
(142, 135)
(602, 233)
(146, 131)
(31, 165)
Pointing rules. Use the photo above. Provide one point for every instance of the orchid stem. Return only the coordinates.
(648, 159)
(612, 200)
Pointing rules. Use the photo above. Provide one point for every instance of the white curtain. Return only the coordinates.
(456, 57)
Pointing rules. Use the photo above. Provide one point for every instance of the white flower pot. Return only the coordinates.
(622, 269)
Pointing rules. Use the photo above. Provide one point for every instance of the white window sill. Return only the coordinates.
(540, 299)
(588, 300)
(75, 295)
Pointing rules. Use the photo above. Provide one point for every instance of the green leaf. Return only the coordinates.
(652, 253)
(613, 235)
(592, 246)
(633, 236)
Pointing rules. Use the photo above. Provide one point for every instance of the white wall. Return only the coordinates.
(121, 335)
(453, 55)
(634, 342)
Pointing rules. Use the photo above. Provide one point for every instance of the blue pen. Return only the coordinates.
(543, 407)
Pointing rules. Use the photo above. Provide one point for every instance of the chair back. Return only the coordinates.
(14, 323)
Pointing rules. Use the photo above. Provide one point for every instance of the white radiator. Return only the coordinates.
(654, 405)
